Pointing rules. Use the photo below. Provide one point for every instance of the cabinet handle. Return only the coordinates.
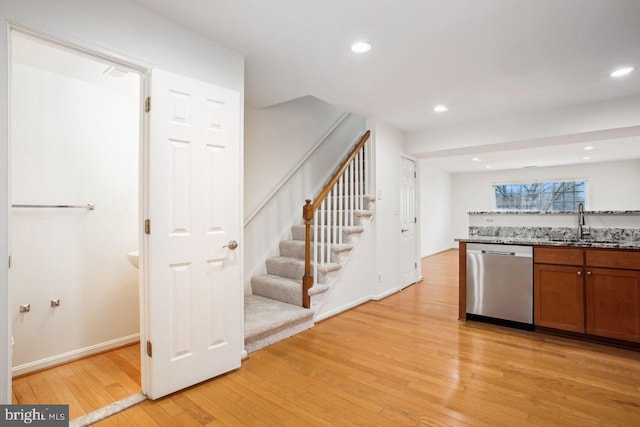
(579, 273)
(588, 273)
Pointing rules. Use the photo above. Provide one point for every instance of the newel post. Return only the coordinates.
(307, 279)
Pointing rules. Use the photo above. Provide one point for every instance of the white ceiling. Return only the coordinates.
(604, 150)
(482, 58)
(487, 60)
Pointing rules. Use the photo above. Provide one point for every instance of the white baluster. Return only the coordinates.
(343, 206)
(322, 228)
(330, 224)
(315, 247)
(358, 181)
(352, 192)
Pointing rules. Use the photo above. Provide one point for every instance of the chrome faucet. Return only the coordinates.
(581, 229)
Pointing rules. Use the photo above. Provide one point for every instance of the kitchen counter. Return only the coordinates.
(585, 243)
(581, 288)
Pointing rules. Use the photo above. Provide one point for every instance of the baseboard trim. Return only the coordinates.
(386, 294)
(339, 310)
(59, 359)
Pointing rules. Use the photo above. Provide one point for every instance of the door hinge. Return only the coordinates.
(147, 226)
(415, 174)
(9, 261)
(415, 265)
(415, 219)
(149, 349)
(147, 104)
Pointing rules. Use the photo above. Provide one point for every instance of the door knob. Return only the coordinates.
(404, 230)
(231, 245)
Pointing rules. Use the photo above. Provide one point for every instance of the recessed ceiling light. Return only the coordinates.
(488, 166)
(589, 147)
(440, 108)
(475, 159)
(586, 158)
(622, 71)
(361, 47)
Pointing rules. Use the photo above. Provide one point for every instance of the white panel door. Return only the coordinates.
(194, 291)
(408, 219)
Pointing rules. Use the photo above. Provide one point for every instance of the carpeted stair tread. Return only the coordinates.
(278, 288)
(365, 198)
(282, 288)
(317, 289)
(298, 232)
(293, 268)
(274, 311)
(325, 217)
(356, 212)
(267, 321)
(296, 248)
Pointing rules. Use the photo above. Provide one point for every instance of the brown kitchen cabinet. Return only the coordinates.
(558, 295)
(592, 291)
(613, 303)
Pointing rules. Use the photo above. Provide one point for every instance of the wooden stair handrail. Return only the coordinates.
(309, 210)
(325, 191)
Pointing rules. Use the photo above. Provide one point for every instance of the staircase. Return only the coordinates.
(275, 309)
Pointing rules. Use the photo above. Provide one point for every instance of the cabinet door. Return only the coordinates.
(613, 303)
(558, 297)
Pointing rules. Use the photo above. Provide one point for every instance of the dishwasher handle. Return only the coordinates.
(516, 251)
(497, 253)
(501, 253)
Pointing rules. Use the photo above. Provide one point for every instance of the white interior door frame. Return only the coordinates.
(416, 202)
(5, 197)
(131, 64)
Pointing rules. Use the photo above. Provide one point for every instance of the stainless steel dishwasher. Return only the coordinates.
(500, 284)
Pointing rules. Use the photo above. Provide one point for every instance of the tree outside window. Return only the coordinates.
(540, 196)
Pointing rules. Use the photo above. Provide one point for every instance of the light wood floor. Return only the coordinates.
(86, 384)
(405, 361)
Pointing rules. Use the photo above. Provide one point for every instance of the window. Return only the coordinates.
(540, 196)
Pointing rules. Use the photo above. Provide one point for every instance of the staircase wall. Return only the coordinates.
(355, 282)
(269, 158)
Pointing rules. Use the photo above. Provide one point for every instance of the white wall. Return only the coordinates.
(435, 210)
(388, 149)
(117, 26)
(611, 186)
(355, 282)
(273, 154)
(83, 147)
(276, 138)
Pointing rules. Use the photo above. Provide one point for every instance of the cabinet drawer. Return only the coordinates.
(560, 256)
(613, 259)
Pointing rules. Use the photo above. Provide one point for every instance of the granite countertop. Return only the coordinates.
(586, 243)
(553, 213)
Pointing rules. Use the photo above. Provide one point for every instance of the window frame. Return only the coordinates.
(537, 181)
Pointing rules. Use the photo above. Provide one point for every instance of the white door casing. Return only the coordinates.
(408, 219)
(194, 289)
